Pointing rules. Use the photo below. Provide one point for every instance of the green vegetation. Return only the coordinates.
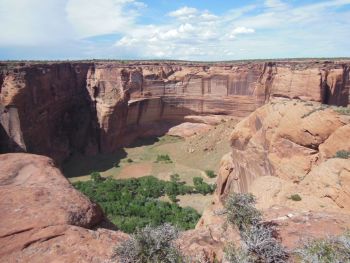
(132, 203)
(210, 173)
(295, 197)
(332, 249)
(129, 160)
(322, 107)
(342, 154)
(342, 110)
(241, 211)
(164, 158)
(202, 187)
(259, 242)
(151, 244)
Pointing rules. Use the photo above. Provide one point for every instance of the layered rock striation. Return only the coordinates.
(57, 109)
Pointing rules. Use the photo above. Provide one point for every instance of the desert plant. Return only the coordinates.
(129, 160)
(210, 173)
(342, 154)
(328, 250)
(96, 177)
(342, 110)
(241, 211)
(295, 197)
(151, 244)
(236, 255)
(261, 243)
(163, 158)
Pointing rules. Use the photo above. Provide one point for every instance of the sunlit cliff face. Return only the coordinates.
(56, 109)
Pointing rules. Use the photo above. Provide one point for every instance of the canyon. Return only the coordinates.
(293, 120)
(56, 109)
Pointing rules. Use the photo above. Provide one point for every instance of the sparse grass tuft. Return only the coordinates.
(295, 197)
(342, 154)
(342, 110)
(164, 158)
(322, 107)
(210, 173)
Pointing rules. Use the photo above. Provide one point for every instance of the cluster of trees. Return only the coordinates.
(133, 203)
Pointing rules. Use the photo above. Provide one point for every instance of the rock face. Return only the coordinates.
(292, 141)
(57, 109)
(44, 219)
(284, 148)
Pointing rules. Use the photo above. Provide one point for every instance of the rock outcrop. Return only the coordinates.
(57, 109)
(285, 148)
(44, 219)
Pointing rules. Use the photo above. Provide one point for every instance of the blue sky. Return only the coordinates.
(169, 29)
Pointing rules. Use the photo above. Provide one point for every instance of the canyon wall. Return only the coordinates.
(57, 109)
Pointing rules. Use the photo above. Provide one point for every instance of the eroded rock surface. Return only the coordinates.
(285, 148)
(58, 109)
(44, 219)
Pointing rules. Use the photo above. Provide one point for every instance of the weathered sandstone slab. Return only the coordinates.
(44, 219)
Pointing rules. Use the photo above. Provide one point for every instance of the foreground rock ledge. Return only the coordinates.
(44, 219)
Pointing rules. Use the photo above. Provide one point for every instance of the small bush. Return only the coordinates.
(129, 160)
(163, 158)
(329, 250)
(342, 154)
(202, 187)
(234, 255)
(210, 173)
(96, 177)
(295, 197)
(241, 211)
(151, 244)
(342, 110)
(261, 243)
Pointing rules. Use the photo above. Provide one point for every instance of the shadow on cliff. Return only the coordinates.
(80, 165)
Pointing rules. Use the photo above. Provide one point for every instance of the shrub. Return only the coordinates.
(234, 255)
(342, 154)
(133, 203)
(241, 211)
(260, 242)
(295, 197)
(329, 250)
(129, 160)
(202, 187)
(342, 110)
(163, 158)
(96, 177)
(210, 173)
(151, 244)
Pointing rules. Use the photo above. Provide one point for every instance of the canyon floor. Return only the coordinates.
(192, 147)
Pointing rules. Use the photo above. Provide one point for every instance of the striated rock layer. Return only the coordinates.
(44, 219)
(57, 109)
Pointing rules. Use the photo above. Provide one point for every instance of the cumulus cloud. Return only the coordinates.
(184, 12)
(130, 29)
(108, 16)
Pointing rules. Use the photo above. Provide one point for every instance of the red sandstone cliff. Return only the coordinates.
(57, 109)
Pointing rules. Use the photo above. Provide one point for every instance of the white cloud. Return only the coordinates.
(184, 12)
(108, 16)
(242, 30)
(270, 28)
(29, 23)
(276, 4)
